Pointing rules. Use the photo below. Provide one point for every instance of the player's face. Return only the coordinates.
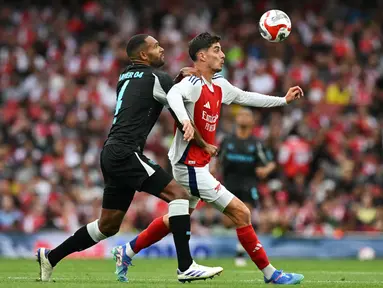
(155, 53)
(245, 119)
(215, 58)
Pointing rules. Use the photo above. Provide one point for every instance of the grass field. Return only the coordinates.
(161, 273)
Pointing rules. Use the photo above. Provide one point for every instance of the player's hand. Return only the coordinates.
(189, 71)
(211, 150)
(188, 130)
(294, 93)
(262, 172)
(186, 71)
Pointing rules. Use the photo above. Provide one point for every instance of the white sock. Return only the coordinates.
(129, 251)
(268, 271)
(178, 207)
(94, 231)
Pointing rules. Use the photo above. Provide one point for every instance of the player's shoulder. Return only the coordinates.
(218, 76)
(219, 79)
(161, 75)
(163, 78)
(192, 80)
(190, 83)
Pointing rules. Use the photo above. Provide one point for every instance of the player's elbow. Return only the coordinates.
(172, 101)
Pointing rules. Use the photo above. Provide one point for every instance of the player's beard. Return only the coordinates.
(217, 70)
(157, 62)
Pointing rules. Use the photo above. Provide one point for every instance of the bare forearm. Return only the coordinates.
(178, 78)
(271, 167)
(198, 138)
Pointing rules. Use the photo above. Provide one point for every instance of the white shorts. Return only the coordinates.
(202, 185)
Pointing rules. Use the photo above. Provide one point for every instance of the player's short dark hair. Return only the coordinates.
(134, 44)
(201, 41)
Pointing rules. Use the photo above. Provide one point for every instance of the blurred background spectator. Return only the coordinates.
(60, 62)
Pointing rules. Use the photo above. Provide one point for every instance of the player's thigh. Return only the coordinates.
(115, 202)
(174, 191)
(118, 195)
(157, 181)
(134, 170)
(203, 185)
(183, 176)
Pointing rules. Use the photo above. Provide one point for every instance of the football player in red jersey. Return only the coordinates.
(197, 101)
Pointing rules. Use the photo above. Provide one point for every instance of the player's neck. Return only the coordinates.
(206, 73)
(243, 133)
(140, 62)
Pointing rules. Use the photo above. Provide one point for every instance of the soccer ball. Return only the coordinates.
(275, 26)
(366, 253)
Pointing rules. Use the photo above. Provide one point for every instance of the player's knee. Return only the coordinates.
(175, 191)
(182, 194)
(108, 228)
(244, 216)
(239, 213)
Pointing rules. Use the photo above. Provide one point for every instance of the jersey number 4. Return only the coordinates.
(119, 100)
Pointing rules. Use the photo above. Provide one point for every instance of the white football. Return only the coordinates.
(275, 26)
(366, 253)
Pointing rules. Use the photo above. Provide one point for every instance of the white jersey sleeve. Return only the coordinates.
(162, 84)
(232, 94)
(186, 91)
(185, 95)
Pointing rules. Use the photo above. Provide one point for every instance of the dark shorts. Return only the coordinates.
(126, 172)
(247, 195)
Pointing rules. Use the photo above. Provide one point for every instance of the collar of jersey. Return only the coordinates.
(209, 85)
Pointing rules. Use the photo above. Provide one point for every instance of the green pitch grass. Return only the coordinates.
(161, 273)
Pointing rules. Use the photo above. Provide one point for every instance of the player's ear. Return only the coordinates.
(143, 55)
(202, 56)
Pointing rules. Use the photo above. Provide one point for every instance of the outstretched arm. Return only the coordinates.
(261, 100)
(232, 94)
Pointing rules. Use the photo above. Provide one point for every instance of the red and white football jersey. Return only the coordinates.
(295, 156)
(200, 101)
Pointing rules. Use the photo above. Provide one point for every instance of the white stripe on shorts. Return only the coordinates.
(148, 169)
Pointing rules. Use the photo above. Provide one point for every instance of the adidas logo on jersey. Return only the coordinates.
(207, 105)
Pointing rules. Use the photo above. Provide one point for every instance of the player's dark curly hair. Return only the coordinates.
(202, 41)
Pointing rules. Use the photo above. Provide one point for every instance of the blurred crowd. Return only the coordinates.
(59, 65)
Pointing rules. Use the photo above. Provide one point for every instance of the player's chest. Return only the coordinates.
(210, 101)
